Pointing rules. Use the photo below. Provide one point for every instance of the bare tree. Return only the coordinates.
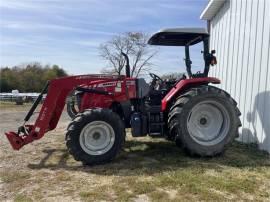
(135, 46)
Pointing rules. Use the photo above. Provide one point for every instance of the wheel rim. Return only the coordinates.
(208, 123)
(97, 137)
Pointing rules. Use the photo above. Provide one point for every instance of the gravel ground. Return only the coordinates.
(146, 170)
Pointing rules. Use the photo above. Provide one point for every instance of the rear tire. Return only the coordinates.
(204, 121)
(95, 136)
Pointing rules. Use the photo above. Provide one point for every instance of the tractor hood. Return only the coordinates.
(178, 36)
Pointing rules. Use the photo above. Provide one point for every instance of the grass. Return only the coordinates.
(22, 198)
(12, 105)
(146, 169)
(13, 176)
(151, 168)
(239, 174)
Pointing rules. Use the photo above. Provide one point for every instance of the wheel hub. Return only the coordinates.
(97, 138)
(208, 122)
(203, 121)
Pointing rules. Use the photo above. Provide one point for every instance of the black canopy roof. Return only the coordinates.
(178, 36)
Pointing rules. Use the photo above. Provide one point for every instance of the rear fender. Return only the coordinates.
(183, 85)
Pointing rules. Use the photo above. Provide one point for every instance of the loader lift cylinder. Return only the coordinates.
(37, 101)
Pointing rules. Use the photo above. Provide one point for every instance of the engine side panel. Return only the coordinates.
(143, 88)
(121, 91)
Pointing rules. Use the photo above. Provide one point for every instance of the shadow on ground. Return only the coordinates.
(150, 157)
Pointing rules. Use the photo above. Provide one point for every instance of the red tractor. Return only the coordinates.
(199, 117)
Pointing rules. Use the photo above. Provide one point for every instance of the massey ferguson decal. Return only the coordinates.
(108, 84)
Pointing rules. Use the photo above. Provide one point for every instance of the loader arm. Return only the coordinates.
(51, 110)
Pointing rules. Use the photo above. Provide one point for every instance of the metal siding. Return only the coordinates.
(236, 53)
(221, 37)
(230, 68)
(242, 42)
(240, 34)
(255, 122)
(246, 69)
(217, 27)
(214, 41)
(218, 45)
(227, 19)
(263, 96)
(248, 131)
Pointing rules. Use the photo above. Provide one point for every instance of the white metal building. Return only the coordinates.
(240, 34)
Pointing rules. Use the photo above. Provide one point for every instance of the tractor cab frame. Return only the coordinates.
(186, 37)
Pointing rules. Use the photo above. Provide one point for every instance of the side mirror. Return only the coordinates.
(213, 61)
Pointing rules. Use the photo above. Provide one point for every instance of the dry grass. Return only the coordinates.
(146, 170)
(13, 104)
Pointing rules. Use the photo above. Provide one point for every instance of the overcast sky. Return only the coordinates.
(69, 32)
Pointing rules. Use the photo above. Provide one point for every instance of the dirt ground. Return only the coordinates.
(146, 170)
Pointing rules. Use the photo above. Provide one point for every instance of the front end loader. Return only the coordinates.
(57, 91)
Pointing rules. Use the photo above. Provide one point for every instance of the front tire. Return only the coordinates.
(95, 136)
(205, 120)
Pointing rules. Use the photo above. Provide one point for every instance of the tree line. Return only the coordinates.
(28, 78)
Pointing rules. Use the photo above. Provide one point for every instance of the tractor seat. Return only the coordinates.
(155, 96)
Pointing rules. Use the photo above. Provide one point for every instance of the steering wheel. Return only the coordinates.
(155, 77)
